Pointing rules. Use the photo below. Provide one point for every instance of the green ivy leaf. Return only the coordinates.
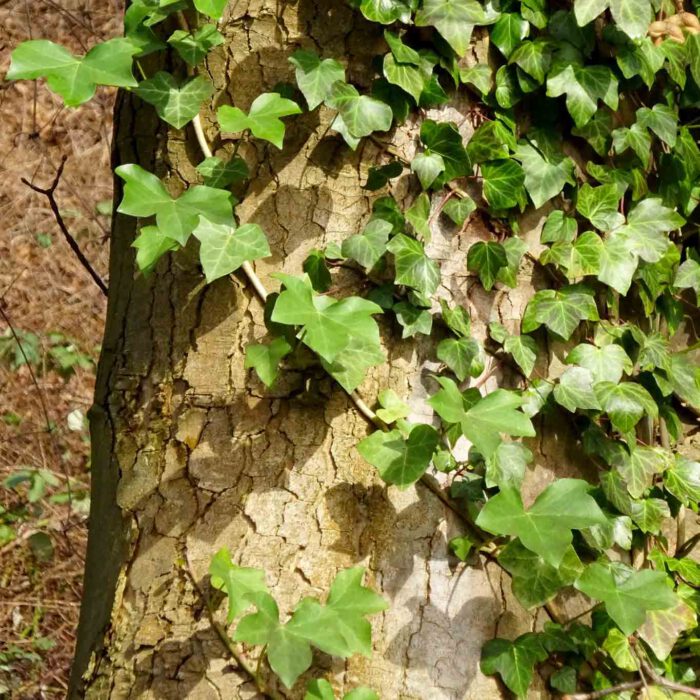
(547, 170)
(392, 408)
(545, 528)
(683, 480)
(192, 47)
(265, 358)
(491, 141)
(328, 325)
(639, 467)
(662, 628)
(454, 19)
(508, 32)
(224, 248)
(503, 182)
(151, 245)
(533, 57)
(627, 594)
(315, 267)
(457, 320)
(445, 140)
(386, 11)
(413, 267)
(220, 174)
(506, 466)
(599, 206)
(620, 650)
(480, 76)
(462, 356)
(486, 258)
(584, 86)
(617, 263)
(597, 131)
(145, 195)
(239, 582)
(368, 247)
(211, 8)
(263, 119)
(409, 78)
(459, 209)
(688, 277)
(413, 320)
(523, 348)
(74, 78)
(482, 419)
(635, 138)
(535, 582)
(176, 104)
(559, 228)
(625, 403)
(660, 119)
(362, 115)
(315, 76)
(575, 390)
(401, 461)
(561, 311)
(606, 363)
(513, 661)
(427, 166)
(379, 177)
(631, 16)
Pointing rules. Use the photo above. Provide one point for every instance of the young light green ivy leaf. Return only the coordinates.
(559, 228)
(411, 79)
(660, 119)
(176, 104)
(239, 582)
(627, 594)
(321, 689)
(369, 246)
(427, 166)
(639, 467)
(513, 661)
(339, 627)
(151, 245)
(211, 8)
(486, 258)
(74, 78)
(264, 118)
(223, 248)
(688, 276)
(584, 86)
(459, 209)
(454, 19)
(413, 267)
(265, 358)
(618, 647)
(561, 311)
(507, 465)
(361, 115)
(545, 528)
(523, 349)
(400, 461)
(479, 76)
(315, 76)
(508, 32)
(482, 419)
(145, 195)
(534, 57)
(635, 138)
(606, 363)
(683, 480)
(192, 47)
(599, 206)
(574, 390)
(392, 407)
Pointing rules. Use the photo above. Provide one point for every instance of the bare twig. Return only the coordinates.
(595, 694)
(662, 682)
(49, 194)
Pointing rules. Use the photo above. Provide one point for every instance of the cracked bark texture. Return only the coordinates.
(191, 453)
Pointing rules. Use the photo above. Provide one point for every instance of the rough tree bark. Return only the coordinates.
(191, 453)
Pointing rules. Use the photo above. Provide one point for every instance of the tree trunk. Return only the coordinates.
(191, 453)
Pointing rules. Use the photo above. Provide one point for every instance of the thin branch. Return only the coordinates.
(595, 694)
(662, 682)
(49, 194)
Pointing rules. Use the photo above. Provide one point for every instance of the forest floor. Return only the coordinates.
(50, 304)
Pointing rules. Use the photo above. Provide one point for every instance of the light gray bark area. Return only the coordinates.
(193, 454)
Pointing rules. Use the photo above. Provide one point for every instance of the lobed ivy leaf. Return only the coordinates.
(362, 115)
(392, 407)
(561, 311)
(151, 245)
(265, 358)
(688, 276)
(536, 582)
(176, 104)
(508, 32)
(682, 479)
(369, 246)
(491, 141)
(192, 47)
(486, 258)
(221, 174)
(145, 195)
(660, 119)
(454, 19)
(263, 119)
(631, 16)
(559, 228)
(584, 87)
(625, 403)
(74, 78)
(533, 57)
(639, 466)
(413, 319)
(239, 582)
(444, 139)
(507, 465)
(606, 363)
(635, 138)
(546, 169)
(574, 390)
(545, 528)
(503, 182)
(462, 356)
(400, 461)
(427, 166)
(599, 206)
(224, 248)
(457, 319)
(413, 267)
(662, 628)
(479, 76)
(211, 8)
(459, 209)
(627, 594)
(513, 661)
(315, 76)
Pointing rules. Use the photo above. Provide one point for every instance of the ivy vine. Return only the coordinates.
(586, 110)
